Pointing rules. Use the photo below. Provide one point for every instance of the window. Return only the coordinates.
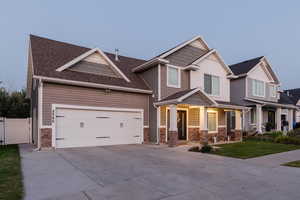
(173, 76)
(273, 91)
(212, 84)
(212, 121)
(258, 88)
(253, 116)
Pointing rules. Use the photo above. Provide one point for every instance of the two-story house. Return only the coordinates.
(88, 97)
(257, 87)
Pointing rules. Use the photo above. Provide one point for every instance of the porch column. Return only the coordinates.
(278, 119)
(203, 125)
(238, 125)
(173, 132)
(258, 118)
(290, 119)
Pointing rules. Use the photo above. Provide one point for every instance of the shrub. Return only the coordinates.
(194, 149)
(294, 133)
(274, 134)
(206, 148)
(287, 140)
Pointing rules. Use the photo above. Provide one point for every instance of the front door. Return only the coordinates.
(181, 124)
(271, 120)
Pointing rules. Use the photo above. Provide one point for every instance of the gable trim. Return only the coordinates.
(183, 45)
(88, 53)
(213, 51)
(183, 97)
(266, 69)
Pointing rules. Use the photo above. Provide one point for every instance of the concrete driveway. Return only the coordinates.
(151, 172)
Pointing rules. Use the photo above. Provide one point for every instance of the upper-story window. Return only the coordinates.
(173, 77)
(258, 88)
(212, 84)
(273, 91)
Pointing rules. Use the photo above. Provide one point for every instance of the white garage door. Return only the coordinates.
(79, 128)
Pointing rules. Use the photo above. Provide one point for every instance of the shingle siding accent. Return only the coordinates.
(185, 56)
(94, 68)
(80, 96)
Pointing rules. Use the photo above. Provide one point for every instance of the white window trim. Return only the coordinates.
(264, 84)
(275, 91)
(213, 95)
(217, 120)
(179, 76)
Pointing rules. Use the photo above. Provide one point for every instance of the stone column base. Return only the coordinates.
(237, 135)
(162, 135)
(222, 134)
(46, 138)
(203, 136)
(172, 138)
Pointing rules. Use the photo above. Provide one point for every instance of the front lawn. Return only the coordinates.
(252, 148)
(293, 164)
(10, 173)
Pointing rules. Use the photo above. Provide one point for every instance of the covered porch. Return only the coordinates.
(198, 118)
(268, 116)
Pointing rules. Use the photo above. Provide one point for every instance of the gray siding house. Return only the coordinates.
(257, 87)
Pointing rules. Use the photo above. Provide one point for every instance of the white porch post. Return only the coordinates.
(173, 118)
(290, 119)
(203, 118)
(278, 119)
(173, 133)
(259, 118)
(203, 125)
(238, 120)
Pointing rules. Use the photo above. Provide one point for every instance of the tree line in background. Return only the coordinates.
(14, 104)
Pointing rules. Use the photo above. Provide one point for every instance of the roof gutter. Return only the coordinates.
(274, 104)
(148, 64)
(91, 85)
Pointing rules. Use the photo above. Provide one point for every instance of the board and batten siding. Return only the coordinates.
(81, 96)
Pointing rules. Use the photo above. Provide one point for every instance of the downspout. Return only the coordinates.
(40, 104)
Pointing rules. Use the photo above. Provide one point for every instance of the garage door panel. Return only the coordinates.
(78, 128)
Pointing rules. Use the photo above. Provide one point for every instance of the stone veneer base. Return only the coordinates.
(172, 138)
(46, 138)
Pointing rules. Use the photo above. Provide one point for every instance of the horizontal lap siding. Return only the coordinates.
(80, 96)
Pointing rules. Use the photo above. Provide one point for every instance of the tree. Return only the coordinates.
(14, 105)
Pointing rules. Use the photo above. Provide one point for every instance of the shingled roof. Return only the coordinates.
(245, 66)
(294, 94)
(48, 55)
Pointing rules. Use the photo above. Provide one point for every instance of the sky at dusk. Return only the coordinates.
(239, 30)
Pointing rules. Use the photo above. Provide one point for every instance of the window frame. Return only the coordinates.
(178, 76)
(253, 88)
(273, 95)
(212, 85)
(217, 121)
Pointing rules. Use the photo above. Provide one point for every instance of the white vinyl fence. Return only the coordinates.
(15, 131)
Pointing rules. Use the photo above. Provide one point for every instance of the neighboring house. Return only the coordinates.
(87, 97)
(257, 87)
(294, 95)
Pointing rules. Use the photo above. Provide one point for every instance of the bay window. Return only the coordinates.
(258, 88)
(212, 84)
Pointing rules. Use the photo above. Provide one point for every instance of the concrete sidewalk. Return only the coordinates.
(275, 160)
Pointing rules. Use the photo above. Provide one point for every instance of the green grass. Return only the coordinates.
(252, 148)
(292, 164)
(11, 187)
